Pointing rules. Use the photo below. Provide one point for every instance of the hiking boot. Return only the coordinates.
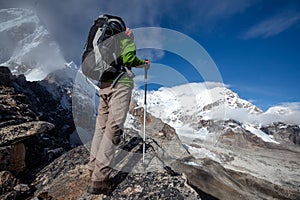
(100, 187)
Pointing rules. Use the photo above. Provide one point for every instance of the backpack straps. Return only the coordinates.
(122, 73)
(98, 56)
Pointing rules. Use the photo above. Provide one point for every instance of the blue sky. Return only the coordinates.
(255, 44)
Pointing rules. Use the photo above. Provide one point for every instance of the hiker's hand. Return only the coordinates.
(147, 64)
(129, 33)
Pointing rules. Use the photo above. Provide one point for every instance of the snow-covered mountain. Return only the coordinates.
(187, 103)
(210, 111)
(26, 47)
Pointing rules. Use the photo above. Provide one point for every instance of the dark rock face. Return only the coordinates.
(233, 132)
(284, 133)
(67, 162)
(31, 121)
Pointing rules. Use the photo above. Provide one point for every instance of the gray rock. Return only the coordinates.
(16, 133)
(21, 188)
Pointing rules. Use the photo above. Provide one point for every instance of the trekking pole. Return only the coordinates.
(145, 114)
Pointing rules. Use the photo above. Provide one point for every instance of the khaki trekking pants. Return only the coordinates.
(112, 112)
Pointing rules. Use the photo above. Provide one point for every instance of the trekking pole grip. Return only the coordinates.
(146, 69)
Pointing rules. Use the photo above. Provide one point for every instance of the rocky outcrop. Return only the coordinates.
(7, 182)
(12, 149)
(30, 137)
(284, 133)
(27, 112)
(133, 180)
(16, 133)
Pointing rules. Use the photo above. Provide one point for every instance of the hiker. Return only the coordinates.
(114, 102)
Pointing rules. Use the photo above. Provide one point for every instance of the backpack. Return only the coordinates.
(102, 48)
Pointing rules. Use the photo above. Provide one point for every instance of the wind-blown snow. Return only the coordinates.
(26, 46)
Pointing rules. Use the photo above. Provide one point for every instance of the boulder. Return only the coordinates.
(16, 133)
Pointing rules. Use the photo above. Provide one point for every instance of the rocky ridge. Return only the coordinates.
(34, 130)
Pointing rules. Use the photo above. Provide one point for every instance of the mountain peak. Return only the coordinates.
(26, 45)
(183, 104)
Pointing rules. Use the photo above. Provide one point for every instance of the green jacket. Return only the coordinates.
(128, 54)
(129, 59)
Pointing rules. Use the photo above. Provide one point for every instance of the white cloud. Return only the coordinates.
(287, 113)
(69, 21)
(292, 105)
(272, 26)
